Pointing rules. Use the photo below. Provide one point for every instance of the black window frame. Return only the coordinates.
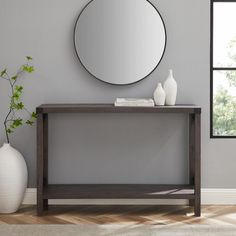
(212, 69)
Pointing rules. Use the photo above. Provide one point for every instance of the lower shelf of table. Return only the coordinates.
(118, 191)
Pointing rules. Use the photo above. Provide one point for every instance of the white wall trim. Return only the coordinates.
(210, 196)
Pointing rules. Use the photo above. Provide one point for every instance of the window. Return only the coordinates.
(223, 69)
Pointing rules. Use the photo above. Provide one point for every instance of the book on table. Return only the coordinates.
(129, 102)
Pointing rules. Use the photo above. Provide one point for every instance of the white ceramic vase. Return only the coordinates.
(13, 179)
(159, 95)
(170, 87)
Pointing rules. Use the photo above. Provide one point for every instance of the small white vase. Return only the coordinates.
(159, 95)
(13, 179)
(170, 87)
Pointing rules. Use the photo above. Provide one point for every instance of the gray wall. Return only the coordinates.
(111, 148)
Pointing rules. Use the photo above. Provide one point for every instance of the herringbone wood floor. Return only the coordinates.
(132, 215)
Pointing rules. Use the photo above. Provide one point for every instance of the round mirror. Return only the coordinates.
(120, 41)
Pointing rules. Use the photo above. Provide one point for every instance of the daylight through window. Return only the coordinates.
(223, 68)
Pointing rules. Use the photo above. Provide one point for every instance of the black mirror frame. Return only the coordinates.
(77, 54)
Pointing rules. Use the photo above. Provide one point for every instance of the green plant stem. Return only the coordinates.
(11, 121)
(5, 125)
(10, 110)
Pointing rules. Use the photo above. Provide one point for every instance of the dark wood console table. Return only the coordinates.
(45, 191)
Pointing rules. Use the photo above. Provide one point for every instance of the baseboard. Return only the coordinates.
(209, 197)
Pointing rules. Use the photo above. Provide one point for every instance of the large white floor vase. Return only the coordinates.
(13, 179)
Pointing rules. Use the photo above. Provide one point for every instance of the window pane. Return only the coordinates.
(224, 103)
(224, 34)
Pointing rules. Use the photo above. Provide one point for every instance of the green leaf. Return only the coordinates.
(3, 72)
(29, 122)
(29, 58)
(31, 69)
(9, 131)
(19, 106)
(27, 68)
(34, 115)
(12, 105)
(16, 96)
(12, 126)
(17, 93)
(19, 88)
(16, 123)
(14, 77)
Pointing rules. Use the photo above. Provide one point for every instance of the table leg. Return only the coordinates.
(197, 164)
(42, 161)
(191, 153)
(195, 160)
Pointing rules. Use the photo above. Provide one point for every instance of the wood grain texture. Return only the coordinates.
(127, 215)
(190, 192)
(191, 153)
(42, 160)
(118, 191)
(110, 108)
(197, 164)
(40, 163)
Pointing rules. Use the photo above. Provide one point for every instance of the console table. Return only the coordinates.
(47, 191)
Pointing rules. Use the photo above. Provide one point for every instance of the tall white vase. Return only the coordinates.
(170, 87)
(159, 95)
(13, 179)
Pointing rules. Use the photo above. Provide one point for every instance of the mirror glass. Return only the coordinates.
(120, 41)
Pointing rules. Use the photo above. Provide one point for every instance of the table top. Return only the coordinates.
(110, 108)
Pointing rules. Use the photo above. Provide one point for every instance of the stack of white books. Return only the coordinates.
(134, 102)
